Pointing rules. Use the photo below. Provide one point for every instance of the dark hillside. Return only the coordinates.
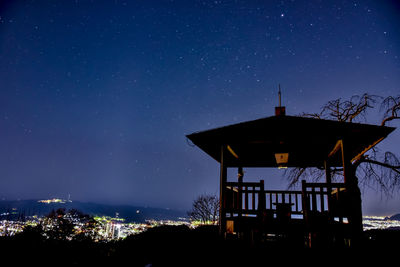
(395, 217)
(181, 246)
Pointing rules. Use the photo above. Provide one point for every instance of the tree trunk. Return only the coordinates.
(355, 208)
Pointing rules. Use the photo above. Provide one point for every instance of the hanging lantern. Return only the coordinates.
(282, 160)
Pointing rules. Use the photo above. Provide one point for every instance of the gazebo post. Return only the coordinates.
(346, 162)
(328, 177)
(223, 180)
(239, 197)
(327, 172)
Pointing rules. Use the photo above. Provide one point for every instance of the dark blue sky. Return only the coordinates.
(96, 96)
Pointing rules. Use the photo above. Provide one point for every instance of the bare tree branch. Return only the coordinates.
(391, 105)
(394, 168)
(348, 111)
(374, 169)
(384, 172)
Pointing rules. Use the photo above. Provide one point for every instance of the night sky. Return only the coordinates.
(96, 96)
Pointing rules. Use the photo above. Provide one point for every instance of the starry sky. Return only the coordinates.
(96, 97)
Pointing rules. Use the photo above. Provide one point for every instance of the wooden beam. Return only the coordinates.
(232, 152)
(358, 156)
(337, 147)
(346, 162)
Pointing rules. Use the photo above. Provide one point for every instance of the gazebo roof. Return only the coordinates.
(307, 140)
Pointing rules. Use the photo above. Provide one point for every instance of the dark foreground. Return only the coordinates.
(181, 246)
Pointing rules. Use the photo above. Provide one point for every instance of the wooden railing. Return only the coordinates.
(326, 199)
(291, 198)
(242, 198)
(320, 196)
(249, 198)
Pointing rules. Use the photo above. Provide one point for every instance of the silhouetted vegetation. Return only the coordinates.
(205, 209)
(181, 246)
(61, 225)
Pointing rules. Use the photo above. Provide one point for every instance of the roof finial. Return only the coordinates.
(279, 94)
(280, 111)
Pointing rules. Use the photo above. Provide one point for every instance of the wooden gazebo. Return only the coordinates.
(319, 211)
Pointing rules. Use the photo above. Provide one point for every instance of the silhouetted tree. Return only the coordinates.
(374, 168)
(58, 226)
(62, 225)
(87, 225)
(205, 209)
(32, 233)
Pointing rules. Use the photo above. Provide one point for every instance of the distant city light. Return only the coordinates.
(377, 222)
(54, 200)
(111, 228)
